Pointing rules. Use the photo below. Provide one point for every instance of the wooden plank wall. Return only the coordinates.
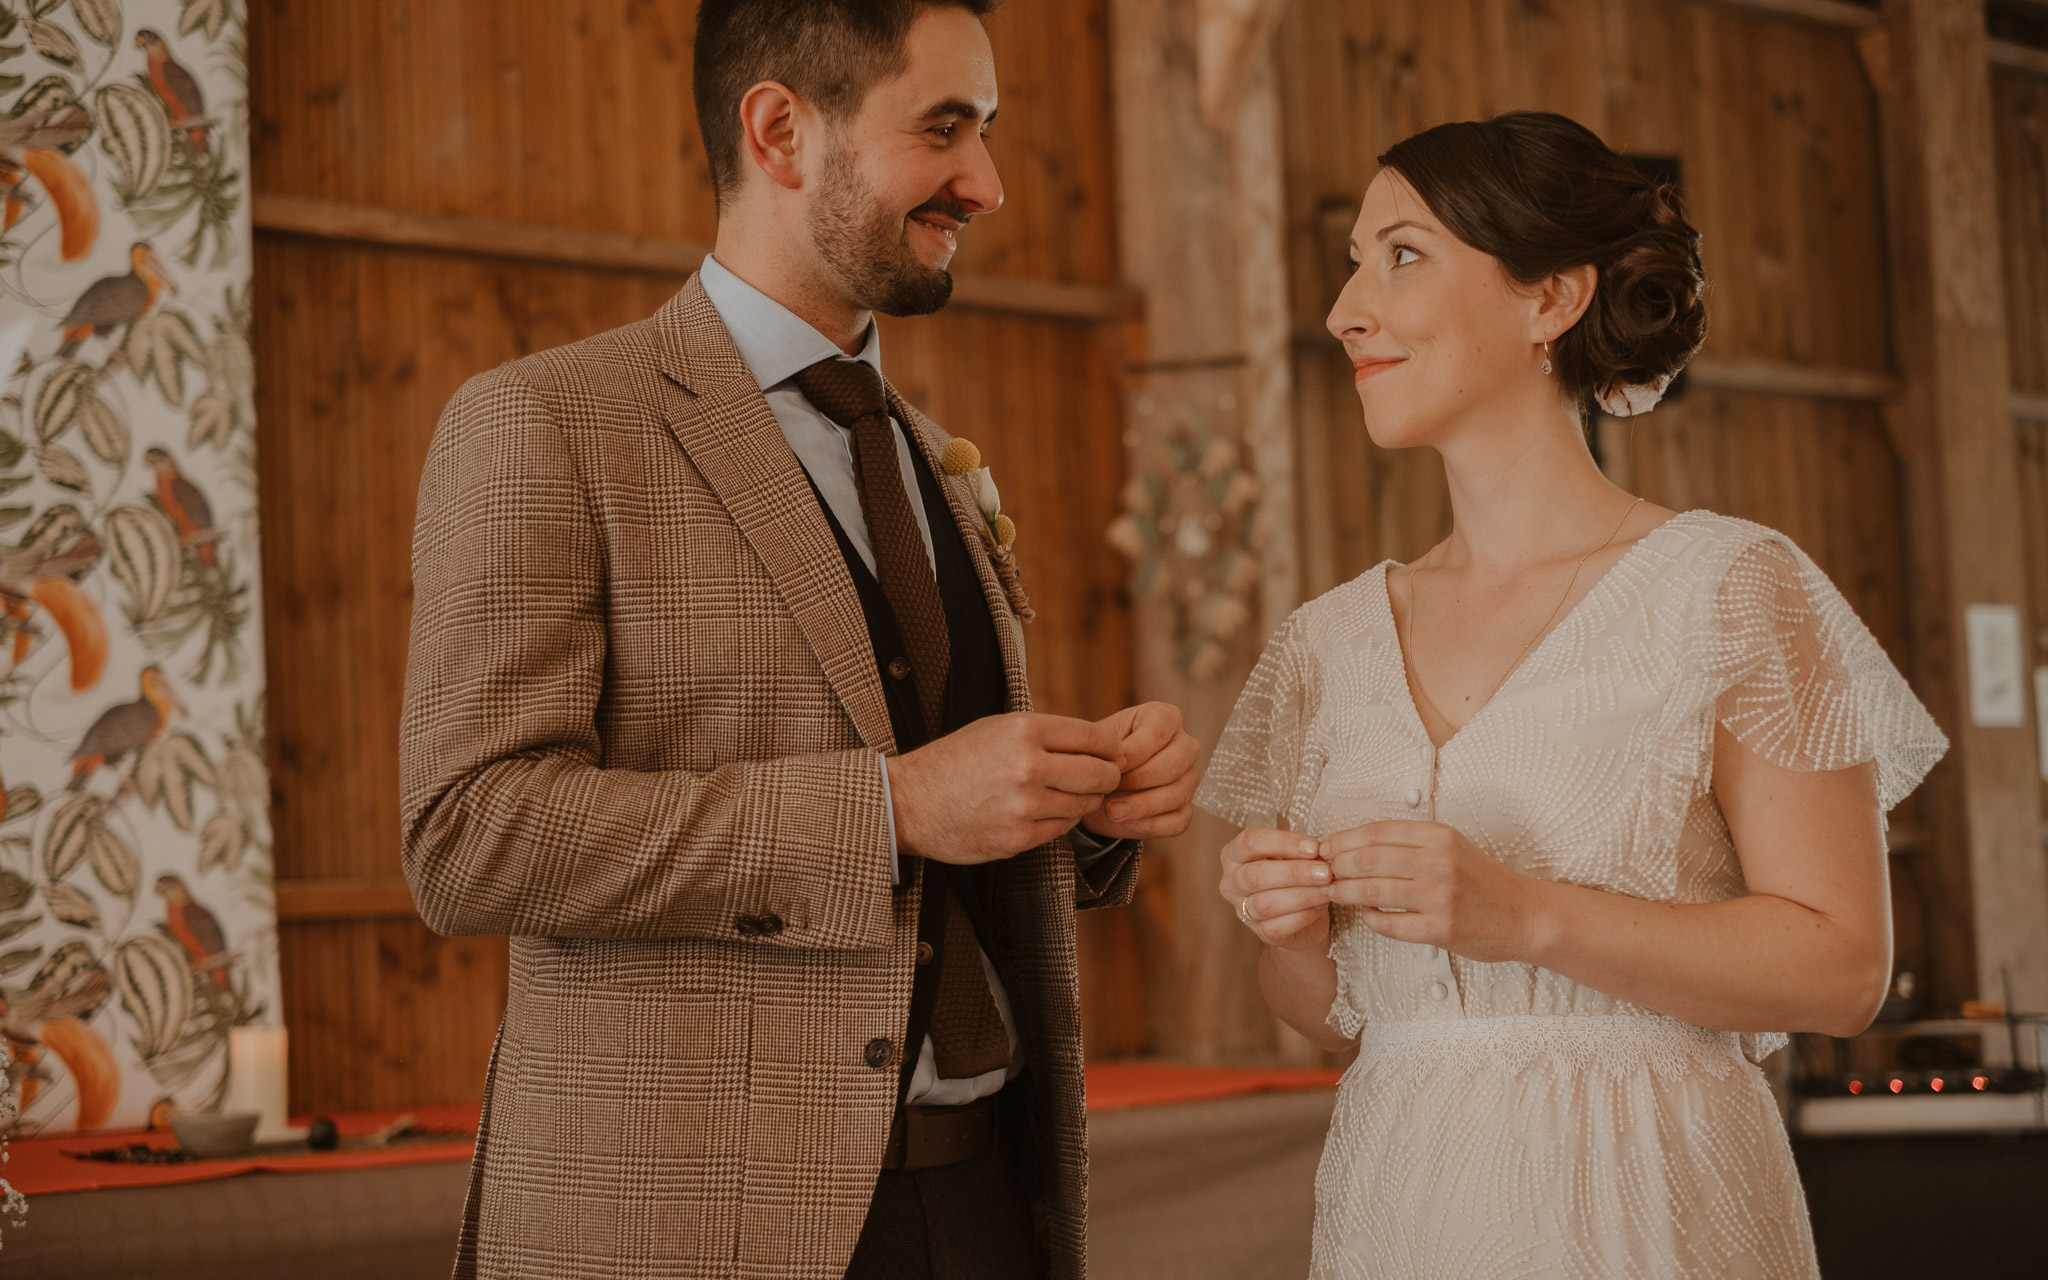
(576, 114)
(1777, 127)
(2020, 110)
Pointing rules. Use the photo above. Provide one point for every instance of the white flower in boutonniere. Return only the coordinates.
(962, 460)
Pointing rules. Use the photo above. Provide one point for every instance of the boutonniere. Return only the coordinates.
(962, 461)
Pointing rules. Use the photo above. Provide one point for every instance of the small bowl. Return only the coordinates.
(208, 1134)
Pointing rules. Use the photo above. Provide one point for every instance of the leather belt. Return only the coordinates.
(925, 1137)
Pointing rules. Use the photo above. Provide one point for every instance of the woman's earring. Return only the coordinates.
(1546, 357)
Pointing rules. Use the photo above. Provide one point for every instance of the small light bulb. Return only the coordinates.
(1935, 1084)
(1898, 1085)
(1978, 1082)
(1856, 1086)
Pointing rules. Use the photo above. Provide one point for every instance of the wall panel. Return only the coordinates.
(2019, 104)
(577, 114)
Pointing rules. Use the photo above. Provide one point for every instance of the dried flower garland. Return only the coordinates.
(1189, 531)
(962, 460)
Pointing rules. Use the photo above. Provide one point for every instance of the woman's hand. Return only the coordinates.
(1425, 882)
(1277, 883)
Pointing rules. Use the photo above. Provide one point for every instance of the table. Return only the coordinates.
(1197, 1172)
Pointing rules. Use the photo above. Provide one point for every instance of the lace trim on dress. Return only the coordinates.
(1615, 1043)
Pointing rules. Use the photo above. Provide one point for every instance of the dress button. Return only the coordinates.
(1430, 953)
(924, 952)
(877, 1053)
(1414, 797)
(899, 668)
(1438, 991)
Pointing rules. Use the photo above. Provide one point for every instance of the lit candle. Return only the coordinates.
(256, 1079)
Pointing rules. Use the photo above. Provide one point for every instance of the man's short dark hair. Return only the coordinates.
(828, 52)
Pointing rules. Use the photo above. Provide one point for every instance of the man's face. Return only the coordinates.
(906, 172)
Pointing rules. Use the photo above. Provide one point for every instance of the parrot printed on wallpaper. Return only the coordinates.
(137, 921)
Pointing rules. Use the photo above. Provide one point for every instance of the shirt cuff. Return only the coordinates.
(1088, 847)
(889, 810)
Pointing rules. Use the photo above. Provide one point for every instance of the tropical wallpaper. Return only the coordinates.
(137, 922)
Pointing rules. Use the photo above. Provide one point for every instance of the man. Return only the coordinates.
(717, 707)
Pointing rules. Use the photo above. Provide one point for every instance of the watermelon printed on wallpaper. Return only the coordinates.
(137, 922)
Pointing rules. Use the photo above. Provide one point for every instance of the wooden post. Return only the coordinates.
(1988, 880)
(1202, 222)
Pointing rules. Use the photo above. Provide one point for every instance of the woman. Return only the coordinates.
(1563, 823)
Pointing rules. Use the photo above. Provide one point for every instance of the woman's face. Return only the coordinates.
(1437, 333)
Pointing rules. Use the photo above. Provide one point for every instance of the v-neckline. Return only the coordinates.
(1514, 675)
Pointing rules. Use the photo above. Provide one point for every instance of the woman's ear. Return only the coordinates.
(769, 121)
(1561, 299)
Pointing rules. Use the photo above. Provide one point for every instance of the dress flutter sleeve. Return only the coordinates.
(1261, 759)
(1796, 677)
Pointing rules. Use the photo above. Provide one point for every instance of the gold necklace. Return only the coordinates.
(1414, 575)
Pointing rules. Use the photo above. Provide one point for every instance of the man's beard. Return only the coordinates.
(868, 248)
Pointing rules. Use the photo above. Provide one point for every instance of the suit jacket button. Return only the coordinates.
(749, 926)
(924, 952)
(877, 1053)
(899, 668)
(771, 924)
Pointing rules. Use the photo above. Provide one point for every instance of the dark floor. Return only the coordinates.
(1972, 1206)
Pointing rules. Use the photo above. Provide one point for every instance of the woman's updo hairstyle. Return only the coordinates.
(1543, 194)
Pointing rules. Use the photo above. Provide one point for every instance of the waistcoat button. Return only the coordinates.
(1438, 991)
(899, 668)
(1414, 797)
(877, 1053)
(1430, 953)
(771, 924)
(924, 952)
(748, 926)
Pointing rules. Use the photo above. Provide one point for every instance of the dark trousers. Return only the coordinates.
(966, 1221)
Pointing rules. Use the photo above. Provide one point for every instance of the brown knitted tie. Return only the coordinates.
(967, 1031)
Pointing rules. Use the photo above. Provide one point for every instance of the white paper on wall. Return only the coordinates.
(137, 921)
(1992, 640)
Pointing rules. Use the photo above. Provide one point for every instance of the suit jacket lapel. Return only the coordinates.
(967, 517)
(732, 437)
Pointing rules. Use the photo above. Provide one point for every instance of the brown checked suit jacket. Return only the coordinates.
(641, 706)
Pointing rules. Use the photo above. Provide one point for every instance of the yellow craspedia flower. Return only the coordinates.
(1006, 531)
(960, 457)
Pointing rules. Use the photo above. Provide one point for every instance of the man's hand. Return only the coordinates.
(1002, 785)
(1156, 795)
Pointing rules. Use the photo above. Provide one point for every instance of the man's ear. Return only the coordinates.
(1562, 299)
(770, 117)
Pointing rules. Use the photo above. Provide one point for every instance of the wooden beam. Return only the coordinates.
(638, 255)
(349, 899)
(2017, 57)
(2029, 408)
(1985, 873)
(1832, 13)
(1782, 378)
(1232, 38)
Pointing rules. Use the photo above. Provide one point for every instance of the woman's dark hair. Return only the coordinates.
(1543, 194)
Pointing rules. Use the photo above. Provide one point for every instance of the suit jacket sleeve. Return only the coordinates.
(1110, 880)
(511, 822)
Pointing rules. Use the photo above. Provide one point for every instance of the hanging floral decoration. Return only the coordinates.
(1189, 530)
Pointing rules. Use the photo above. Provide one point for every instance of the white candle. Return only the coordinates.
(256, 1079)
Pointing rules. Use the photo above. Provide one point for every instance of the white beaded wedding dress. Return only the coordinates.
(1502, 1121)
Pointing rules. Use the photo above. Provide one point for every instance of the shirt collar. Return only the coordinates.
(773, 341)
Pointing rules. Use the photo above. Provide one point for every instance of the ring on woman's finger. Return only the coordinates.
(1245, 916)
